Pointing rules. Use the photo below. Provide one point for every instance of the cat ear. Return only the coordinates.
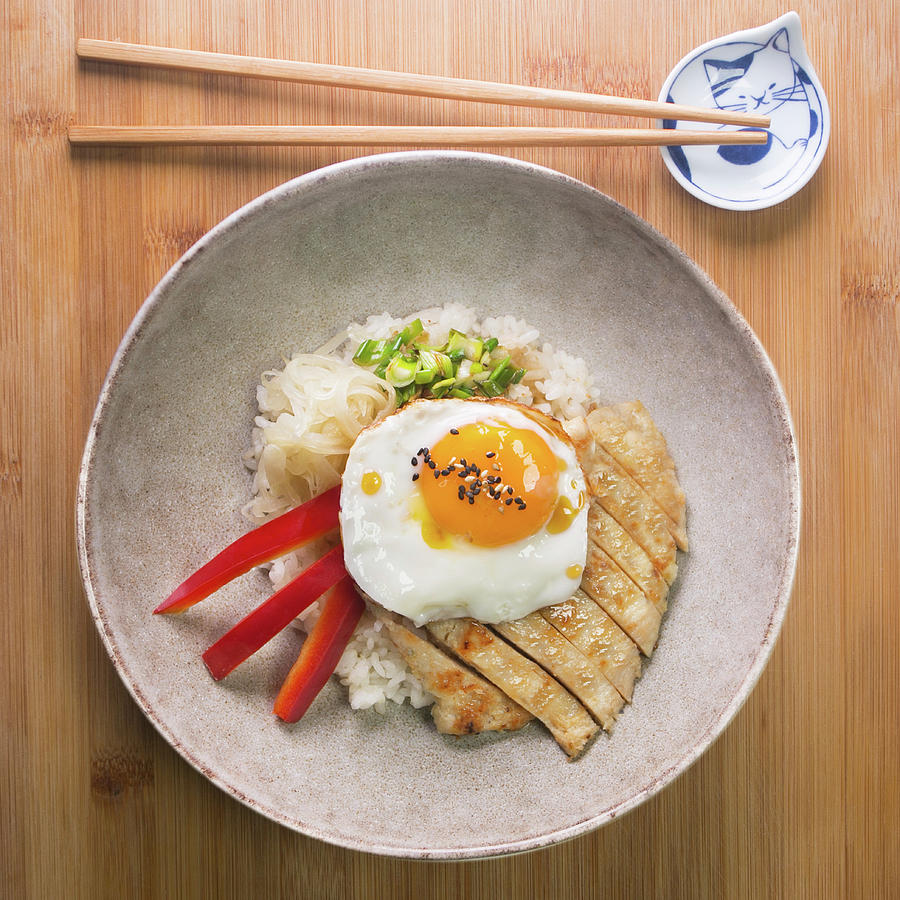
(713, 67)
(780, 41)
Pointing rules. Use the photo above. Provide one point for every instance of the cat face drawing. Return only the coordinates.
(758, 82)
(763, 77)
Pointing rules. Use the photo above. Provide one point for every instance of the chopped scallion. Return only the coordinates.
(458, 368)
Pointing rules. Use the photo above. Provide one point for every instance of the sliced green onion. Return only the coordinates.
(518, 376)
(499, 368)
(401, 371)
(391, 347)
(368, 351)
(456, 340)
(490, 345)
(461, 393)
(412, 331)
(490, 389)
(426, 376)
(445, 363)
(504, 377)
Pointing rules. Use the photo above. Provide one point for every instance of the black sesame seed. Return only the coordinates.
(415, 476)
(437, 474)
(461, 473)
(490, 454)
(508, 500)
(522, 505)
(421, 452)
(471, 499)
(432, 464)
(445, 472)
(509, 490)
(519, 500)
(462, 461)
(414, 461)
(454, 431)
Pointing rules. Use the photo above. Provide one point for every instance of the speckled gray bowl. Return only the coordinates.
(162, 482)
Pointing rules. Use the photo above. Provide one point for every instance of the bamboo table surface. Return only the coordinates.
(800, 795)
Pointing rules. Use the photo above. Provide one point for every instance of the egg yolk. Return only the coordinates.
(495, 484)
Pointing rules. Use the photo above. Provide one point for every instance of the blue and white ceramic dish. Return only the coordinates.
(763, 70)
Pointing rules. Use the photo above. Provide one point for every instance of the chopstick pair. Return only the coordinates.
(402, 83)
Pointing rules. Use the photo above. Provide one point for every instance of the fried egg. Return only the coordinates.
(464, 508)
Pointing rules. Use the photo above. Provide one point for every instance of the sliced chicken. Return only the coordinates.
(630, 436)
(630, 505)
(464, 702)
(590, 629)
(605, 583)
(621, 547)
(523, 680)
(537, 638)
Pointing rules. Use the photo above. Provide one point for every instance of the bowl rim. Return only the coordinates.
(358, 166)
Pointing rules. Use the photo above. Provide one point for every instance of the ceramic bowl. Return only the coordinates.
(162, 483)
(764, 71)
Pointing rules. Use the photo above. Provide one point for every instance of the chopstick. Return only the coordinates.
(400, 82)
(379, 135)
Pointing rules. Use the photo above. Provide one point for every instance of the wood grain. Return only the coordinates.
(800, 796)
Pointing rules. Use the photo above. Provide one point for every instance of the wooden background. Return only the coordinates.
(800, 796)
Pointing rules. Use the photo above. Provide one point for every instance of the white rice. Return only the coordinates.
(556, 383)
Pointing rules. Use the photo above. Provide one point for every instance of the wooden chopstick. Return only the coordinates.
(400, 82)
(379, 135)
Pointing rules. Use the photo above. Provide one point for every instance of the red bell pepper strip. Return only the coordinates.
(275, 614)
(307, 522)
(320, 651)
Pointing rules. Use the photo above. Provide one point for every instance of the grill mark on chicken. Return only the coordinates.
(464, 702)
(581, 621)
(605, 583)
(630, 436)
(538, 639)
(523, 680)
(628, 503)
(621, 547)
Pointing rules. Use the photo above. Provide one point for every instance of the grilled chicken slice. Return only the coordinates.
(605, 583)
(593, 632)
(537, 638)
(523, 680)
(630, 505)
(464, 702)
(609, 535)
(630, 436)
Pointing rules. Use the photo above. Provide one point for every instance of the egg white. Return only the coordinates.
(384, 550)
